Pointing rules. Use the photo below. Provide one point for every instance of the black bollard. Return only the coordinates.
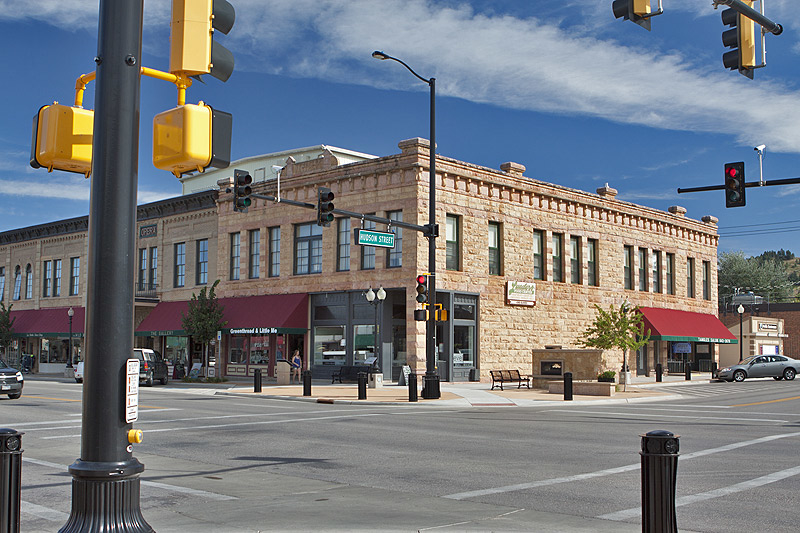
(306, 382)
(362, 385)
(257, 380)
(659, 373)
(567, 386)
(714, 370)
(412, 387)
(687, 369)
(659, 475)
(10, 479)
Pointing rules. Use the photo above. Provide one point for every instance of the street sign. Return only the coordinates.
(382, 239)
(132, 391)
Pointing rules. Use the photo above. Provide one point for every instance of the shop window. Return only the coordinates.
(463, 346)
(329, 345)
(452, 238)
(463, 311)
(558, 257)
(259, 350)
(538, 254)
(495, 266)
(394, 256)
(368, 252)
(238, 350)
(363, 342)
(343, 244)
(628, 269)
(175, 350)
(307, 249)
(201, 274)
(274, 252)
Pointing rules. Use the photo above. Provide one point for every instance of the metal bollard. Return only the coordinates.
(659, 474)
(412, 387)
(687, 370)
(567, 386)
(714, 370)
(10, 479)
(306, 382)
(659, 373)
(362, 385)
(257, 380)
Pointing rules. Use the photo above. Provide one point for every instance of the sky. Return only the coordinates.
(580, 98)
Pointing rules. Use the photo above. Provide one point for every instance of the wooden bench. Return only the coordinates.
(349, 373)
(509, 376)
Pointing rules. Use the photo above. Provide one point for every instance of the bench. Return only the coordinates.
(509, 376)
(349, 373)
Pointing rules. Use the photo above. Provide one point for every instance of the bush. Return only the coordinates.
(608, 374)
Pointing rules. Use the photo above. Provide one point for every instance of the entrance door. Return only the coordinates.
(641, 361)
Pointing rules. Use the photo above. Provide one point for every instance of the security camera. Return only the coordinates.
(760, 147)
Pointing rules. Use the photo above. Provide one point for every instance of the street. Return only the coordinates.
(232, 463)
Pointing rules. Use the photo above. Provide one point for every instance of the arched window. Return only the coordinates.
(28, 282)
(17, 282)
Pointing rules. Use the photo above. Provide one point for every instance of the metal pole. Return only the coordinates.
(741, 332)
(10, 479)
(105, 484)
(567, 386)
(306, 382)
(431, 385)
(257, 380)
(69, 358)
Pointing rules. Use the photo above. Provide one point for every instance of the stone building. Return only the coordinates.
(520, 265)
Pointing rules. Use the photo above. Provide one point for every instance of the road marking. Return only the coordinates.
(768, 401)
(43, 512)
(692, 417)
(56, 399)
(716, 493)
(43, 463)
(609, 471)
(187, 490)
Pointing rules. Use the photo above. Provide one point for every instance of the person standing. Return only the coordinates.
(297, 365)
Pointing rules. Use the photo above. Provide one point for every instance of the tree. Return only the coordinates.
(618, 328)
(763, 275)
(204, 318)
(6, 326)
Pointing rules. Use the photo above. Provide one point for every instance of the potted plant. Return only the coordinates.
(607, 376)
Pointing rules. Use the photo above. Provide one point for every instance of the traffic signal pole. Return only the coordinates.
(105, 479)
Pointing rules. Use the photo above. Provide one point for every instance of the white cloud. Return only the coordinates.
(71, 188)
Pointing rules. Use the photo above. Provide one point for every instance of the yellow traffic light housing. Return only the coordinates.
(741, 38)
(62, 139)
(193, 50)
(191, 137)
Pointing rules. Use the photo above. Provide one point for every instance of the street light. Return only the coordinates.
(430, 389)
(376, 299)
(70, 314)
(740, 310)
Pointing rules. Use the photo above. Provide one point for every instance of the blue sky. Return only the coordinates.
(578, 97)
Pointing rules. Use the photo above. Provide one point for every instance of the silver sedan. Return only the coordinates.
(761, 366)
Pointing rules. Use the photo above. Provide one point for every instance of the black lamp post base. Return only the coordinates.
(430, 387)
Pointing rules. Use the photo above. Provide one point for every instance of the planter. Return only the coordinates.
(601, 379)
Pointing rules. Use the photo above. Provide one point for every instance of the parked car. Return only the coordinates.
(151, 367)
(11, 381)
(761, 366)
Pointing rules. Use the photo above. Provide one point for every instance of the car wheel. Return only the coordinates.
(149, 380)
(165, 379)
(739, 376)
(777, 378)
(78, 380)
(14, 396)
(789, 374)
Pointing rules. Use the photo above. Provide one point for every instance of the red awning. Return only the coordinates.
(49, 322)
(685, 326)
(272, 313)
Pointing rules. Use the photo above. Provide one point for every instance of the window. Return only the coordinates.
(628, 272)
(453, 258)
(343, 245)
(47, 279)
(235, 251)
(558, 257)
(28, 281)
(368, 252)
(2, 283)
(180, 265)
(141, 278)
(670, 273)
(17, 282)
(74, 275)
(275, 252)
(538, 254)
(57, 277)
(656, 271)
(153, 268)
(254, 255)
(690, 277)
(394, 257)
(201, 270)
(575, 259)
(307, 249)
(591, 262)
(643, 269)
(706, 280)
(495, 268)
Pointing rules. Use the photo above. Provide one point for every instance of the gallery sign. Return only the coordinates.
(520, 293)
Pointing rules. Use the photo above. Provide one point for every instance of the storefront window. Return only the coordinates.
(463, 345)
(259, 352)
(363, 342)
(239, 348)
(329, 345)
(175, 350)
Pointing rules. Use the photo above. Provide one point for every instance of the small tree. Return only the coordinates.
(621, 328)
(204, 318)
(6, 326)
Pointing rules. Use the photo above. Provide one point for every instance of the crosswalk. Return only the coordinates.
(717, 389)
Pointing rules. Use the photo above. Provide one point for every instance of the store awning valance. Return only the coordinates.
(250, 315)
(51, 322)
(685, 326)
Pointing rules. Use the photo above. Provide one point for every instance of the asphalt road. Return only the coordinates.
(232, 463)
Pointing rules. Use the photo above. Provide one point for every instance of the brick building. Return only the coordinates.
(521, 263)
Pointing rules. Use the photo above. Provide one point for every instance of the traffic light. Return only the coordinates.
(734, 184)
(422, 288)
(193, 50)
(324, 206)
(637, 11)
(62, 139)
(192, 137)
(241, 190)
(742, 39)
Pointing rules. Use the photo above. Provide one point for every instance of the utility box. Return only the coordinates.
(375, 380)
(283, 372)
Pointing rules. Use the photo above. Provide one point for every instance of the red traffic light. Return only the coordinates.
(421, 279)
(733, 172)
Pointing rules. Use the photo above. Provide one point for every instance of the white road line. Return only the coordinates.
(691, 417)
(716, 493)
(609, 471)
(44, 463)
(186, 490)
(42, 512)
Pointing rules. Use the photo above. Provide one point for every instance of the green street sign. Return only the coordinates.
(382, 239)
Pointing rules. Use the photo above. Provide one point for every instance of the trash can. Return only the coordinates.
(375, 380)
(283, 372)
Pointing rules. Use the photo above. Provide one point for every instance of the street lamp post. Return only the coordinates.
(70, 314)
(376, 299)
(430, 389)
(740, 310)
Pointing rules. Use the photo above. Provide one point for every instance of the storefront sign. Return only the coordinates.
(381, 239)
(681, 347)
(520, 293)
(767, 327)
(253, 331)
(148, 231)
(132, 391)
